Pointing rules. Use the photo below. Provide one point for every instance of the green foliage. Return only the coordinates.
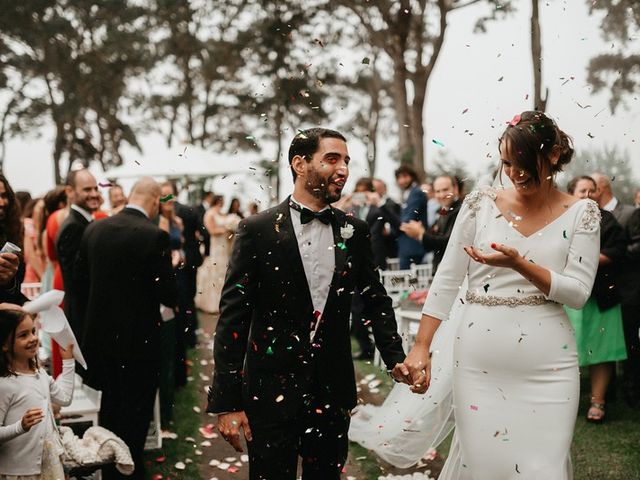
(619, 71)
(609, 161)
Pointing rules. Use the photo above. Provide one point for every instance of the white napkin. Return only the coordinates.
(54, 321)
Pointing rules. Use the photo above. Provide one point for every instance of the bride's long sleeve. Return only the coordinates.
(572, 286)
(455, 263)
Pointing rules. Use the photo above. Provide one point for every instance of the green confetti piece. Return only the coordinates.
(239, 285)
(565, 346)
(437, 142)
(269, 350)
(366, 61)
(342, 246)
(166, 199)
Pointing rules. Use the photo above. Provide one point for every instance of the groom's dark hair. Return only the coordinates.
(306, 142)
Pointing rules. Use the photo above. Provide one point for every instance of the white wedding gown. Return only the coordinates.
(515, 367)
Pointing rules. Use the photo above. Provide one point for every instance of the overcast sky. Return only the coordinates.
(489, 74)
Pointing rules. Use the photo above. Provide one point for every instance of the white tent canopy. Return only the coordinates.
(190, 162)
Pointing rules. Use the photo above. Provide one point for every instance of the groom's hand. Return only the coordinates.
(400, 374)
(229, 425)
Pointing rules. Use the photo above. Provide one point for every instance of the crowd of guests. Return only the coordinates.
(417, 230)
(115, 266)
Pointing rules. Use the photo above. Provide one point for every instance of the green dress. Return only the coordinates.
(599, 335)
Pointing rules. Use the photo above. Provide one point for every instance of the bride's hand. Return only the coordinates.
(506, 256)
(419, 365)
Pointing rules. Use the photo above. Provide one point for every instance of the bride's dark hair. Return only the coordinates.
(531, 138)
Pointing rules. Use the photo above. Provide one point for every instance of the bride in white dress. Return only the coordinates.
(525, 251)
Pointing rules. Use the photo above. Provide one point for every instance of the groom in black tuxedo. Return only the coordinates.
(283, 369)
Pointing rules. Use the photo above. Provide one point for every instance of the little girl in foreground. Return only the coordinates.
(30, 446)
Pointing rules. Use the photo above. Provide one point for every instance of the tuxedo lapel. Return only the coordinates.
(286, 238)
(340, 248)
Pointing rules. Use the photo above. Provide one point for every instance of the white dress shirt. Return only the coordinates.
(83, 212)
(611, 205)
(316, 244)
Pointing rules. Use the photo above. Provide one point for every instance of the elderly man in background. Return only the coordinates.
(436, 238)
(606, 200)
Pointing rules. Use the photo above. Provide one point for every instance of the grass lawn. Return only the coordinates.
(185, 424)
(610, 451)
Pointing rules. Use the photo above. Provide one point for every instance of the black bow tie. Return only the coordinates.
(307, 215)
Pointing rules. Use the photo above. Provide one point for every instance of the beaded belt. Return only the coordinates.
(493, 301)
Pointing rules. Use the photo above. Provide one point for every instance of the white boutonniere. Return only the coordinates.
(346, 232)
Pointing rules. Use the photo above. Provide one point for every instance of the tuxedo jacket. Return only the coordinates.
(629, 274)
(613, 244)
(124, 272)
(622, 213)
(204, 234)
(391, 214)
(191, 225)
(67, 246)
(436, 238)
(265, 362)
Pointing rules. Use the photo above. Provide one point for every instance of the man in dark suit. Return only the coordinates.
(82, 192)
(124, 273)
(606, 200)
(629, 288)
(283, 369)
(390, 212)
(186, 277)
(414, 207)
(437, 237)
(207, 200)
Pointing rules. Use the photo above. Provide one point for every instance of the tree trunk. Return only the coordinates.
(539, 103)
(403, 117)
(57, 153)
(275, 174)
(417, 126)
(374, 120)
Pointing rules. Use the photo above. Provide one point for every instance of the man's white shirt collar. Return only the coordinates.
(82, 212)
(611, 205)
(138, 208)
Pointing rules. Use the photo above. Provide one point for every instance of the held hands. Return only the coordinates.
(32, 417)
(415, 371)
(9, 263)
(67, 353)
(229, 425)
(506, 256)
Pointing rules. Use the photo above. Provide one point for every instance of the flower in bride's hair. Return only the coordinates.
(515, 120)
(346, 232)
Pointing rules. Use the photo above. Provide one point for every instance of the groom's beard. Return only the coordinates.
(321, 188)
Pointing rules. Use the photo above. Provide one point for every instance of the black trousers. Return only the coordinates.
(128, 393)
(187, 288)
(318, 434)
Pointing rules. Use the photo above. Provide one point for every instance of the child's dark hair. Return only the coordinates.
(9, 321)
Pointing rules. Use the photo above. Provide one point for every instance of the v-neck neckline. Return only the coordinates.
(541, 229)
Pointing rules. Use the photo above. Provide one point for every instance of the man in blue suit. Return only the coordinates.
(414, 207)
